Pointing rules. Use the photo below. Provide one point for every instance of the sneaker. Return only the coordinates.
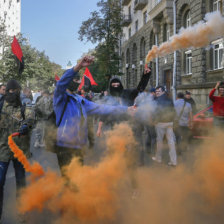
(156, 160)
(171, 164)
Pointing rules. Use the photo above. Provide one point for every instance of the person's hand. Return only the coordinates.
(24, 129)
(132, 110)
(84, 62)
(217, 85)
(147, 70)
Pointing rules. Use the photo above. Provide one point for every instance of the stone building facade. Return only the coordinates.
(10, 15)
(151, 22)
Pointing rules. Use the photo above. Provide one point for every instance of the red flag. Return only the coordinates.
(56, 77)
(82, 83)
(17, 51)
(88, 74)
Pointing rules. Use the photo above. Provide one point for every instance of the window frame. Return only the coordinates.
(188, 62)
(216, 54)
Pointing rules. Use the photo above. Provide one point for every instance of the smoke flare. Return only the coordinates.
(199, 35)
(88, 193)
(35, 168)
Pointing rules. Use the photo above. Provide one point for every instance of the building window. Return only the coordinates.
(217, 54)
(166, 32)
(217, 5)
(129, 10)
(188, 62)
(129, 32)
(144, 17)
(187, 22)
(136, 25)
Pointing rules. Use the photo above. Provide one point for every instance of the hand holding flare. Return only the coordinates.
(35, 168)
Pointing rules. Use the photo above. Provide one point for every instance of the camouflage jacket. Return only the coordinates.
(44, 108)
(11, 120)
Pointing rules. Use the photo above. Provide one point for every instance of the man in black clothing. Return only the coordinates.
(120, 96)
(190, 100)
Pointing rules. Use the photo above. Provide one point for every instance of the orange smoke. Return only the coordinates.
(190, 193)
(199, 35)
(89, 193)
(35, 168)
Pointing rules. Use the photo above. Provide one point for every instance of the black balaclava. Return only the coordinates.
(13, 99)
(73, 86)
(116, 91)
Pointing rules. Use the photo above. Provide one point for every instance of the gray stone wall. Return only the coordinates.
(203, 76)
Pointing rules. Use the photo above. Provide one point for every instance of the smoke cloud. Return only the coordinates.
(190, 193)
(87, 194)
(199, 35)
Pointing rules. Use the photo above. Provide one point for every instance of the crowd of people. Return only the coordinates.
(64, 120)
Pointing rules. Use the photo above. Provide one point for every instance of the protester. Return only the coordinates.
(120, 96)
(44, 110)
(142, 122)
(71, 112)
(26, 96)
(218, 104)
(184, 120)
(85, 93)
(190, 100)
(2, 94)
(164, 117)
(150, 128)
(14, 118)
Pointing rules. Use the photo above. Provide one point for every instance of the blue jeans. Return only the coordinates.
(20, 178)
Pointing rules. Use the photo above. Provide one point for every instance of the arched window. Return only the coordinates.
(217, 5)
(187, 19)
(127, 66)
(142, 54)
(134, 64)
(166, 32)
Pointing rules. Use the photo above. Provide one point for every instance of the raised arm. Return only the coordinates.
(144, 80)
(69, 75)
(211, 94)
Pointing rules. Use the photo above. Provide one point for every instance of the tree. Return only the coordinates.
(39, 71)
(104, 28)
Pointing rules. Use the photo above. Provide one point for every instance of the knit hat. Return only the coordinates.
(12, 84)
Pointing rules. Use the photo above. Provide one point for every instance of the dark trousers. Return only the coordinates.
(91, 136)
(20, 178)
(151, 139)
(65, 156)
(183, 135)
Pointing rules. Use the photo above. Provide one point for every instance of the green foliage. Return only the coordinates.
(38, 72)
(104, 28)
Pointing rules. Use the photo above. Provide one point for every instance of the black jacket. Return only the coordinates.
(128, 95)
(125, 97)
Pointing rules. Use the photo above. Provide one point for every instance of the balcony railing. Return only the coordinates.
(125, 2)
(140, 4)
(126, 20)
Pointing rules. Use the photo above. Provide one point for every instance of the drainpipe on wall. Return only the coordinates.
(157, 62)
(175, 53)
